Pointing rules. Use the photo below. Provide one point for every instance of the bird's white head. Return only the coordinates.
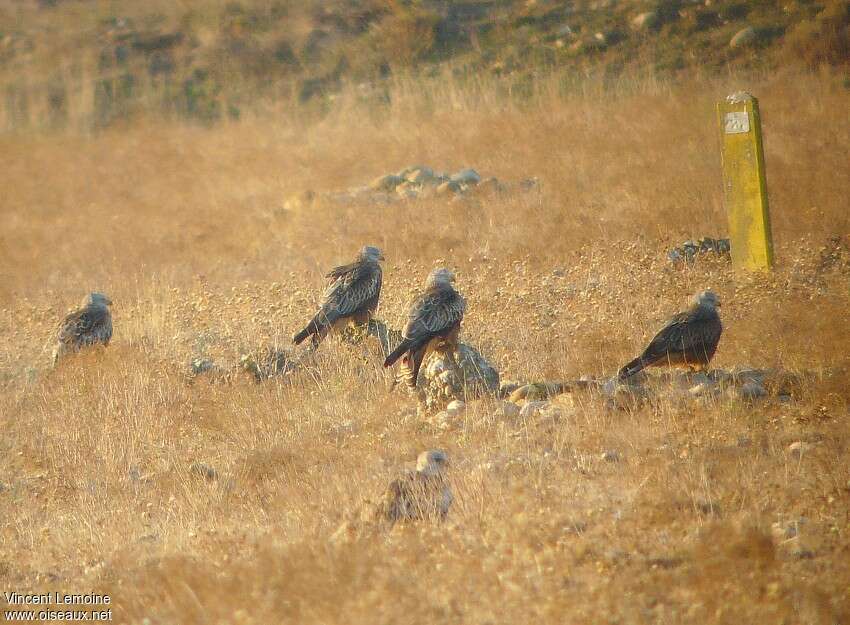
(97, 299)
(432, 462)
(372, 254)
(440, 277)
(707, 298)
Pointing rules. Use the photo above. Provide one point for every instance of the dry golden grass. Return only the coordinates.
(185, 229)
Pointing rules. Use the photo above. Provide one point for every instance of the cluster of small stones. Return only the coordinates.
(742, 384)
(690, 250)
(554, 399)
(268, 363)
(415, 182)
(462, 376)
(386, 336)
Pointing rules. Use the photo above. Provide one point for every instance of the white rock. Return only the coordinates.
(466, 177)
(456, 407)
(467, 376)
(751, 390)
(507, 410)
(555, 413)
(701, 390)
(798, 448)
(448, 187)
(787, 530)
(436, 366)
(420, 175)
(443, 420)
(744, 37)
(532, 408)
(407, 191)
(610, 456)
(646, 20)
(386, 183)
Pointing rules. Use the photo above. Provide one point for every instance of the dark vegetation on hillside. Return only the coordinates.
(77, 61)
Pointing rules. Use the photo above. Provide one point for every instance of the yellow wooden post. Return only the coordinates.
(744, 184)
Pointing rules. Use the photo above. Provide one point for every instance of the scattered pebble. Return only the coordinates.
(466, 177)
(798, 448)
(532, 408)
(802, 553)
(509, 386)
(690, 250)
(201, 365)
(610, 456)
(744, 37)
(469, 376)
(414, 182)
(752, 390)
(787, 530)
(702, 389)
(645, 20)
(203, 470)
(456, 407)
(507, 410)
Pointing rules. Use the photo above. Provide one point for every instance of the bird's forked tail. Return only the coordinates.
(397, 353)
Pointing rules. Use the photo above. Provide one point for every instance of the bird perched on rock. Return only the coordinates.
(423, 493)
(351, 297)
(433, 324)
(689, 338)
(89, 325)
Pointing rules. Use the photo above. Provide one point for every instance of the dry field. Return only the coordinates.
(706, 518)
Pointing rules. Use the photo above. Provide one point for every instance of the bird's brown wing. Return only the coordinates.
(86, 326)
(354, 287)
(434, 313)
(342, 270)
(412, 496)
(394, 504)
(692, 334)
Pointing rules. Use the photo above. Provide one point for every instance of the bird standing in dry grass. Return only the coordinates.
(351, 297)
(89, 325)
(423, 493)
(433, 324)
(419, 494)
(690, 338)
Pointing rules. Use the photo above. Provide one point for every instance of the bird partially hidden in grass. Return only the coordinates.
(86, 326)
(352, 297)
(420, 494)
(423, 493)
(690, 338)
(433, 325)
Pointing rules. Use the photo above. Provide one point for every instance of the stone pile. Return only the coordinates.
(464, 376)
(742, 384)
(268, 363)
(690, 250)
(415, 182)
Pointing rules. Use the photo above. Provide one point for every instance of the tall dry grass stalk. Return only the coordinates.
(186, 229)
